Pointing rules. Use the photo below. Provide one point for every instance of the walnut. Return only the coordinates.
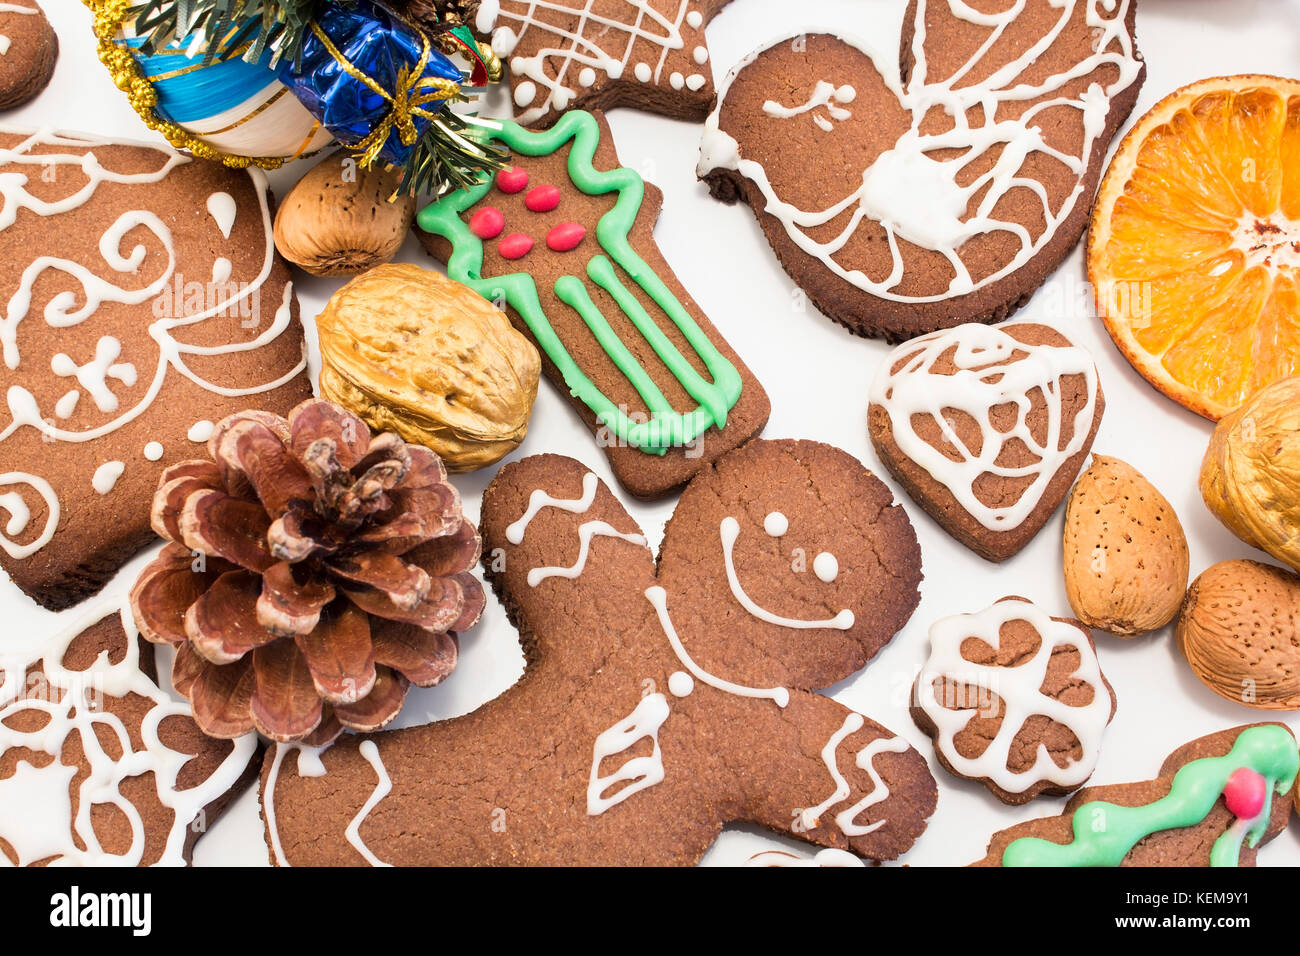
(1250, 477)
(414, 352)
(339, 221)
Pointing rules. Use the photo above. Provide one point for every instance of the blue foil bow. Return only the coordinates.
(378, 45)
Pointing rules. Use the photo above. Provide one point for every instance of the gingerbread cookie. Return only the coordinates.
(1213, 804)
(599, 54)
(29, 48)
(145, 301)
(98, 766)
(659, 702)
(986, 428)
(1015, 699)
(565, 241)
(947, 196)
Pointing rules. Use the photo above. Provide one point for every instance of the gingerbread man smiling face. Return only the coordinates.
(657, 704)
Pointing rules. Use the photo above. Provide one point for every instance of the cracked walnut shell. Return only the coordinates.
(414, 352)
(1238, 630)
(1250, 478)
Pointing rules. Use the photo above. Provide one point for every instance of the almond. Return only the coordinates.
(1125, 551)
(1240, 631)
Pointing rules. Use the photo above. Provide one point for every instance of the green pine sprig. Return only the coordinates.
(452, 154)
(276, 25)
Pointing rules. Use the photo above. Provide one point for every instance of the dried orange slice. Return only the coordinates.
(1194, 247)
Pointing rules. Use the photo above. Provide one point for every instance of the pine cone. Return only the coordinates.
(312, 572)
(438, 15)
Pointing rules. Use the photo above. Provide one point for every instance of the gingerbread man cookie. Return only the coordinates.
(564, 240)
(145, 301)
(943, 188)
(658, 703)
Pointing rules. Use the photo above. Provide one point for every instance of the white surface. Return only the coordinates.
(818, 376)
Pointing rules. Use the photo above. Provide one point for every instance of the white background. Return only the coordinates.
(818, 376)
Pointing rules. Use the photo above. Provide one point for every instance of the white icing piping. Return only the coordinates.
(730, 530)
(878, 793)
(824, 94)
(384, 786)
(36, 816)
(979, 385)
(917, 198)
(586, 532)
(829, 857)
(309, 765)
(638, 772)
(1019, 689)
(540, 500)
(658, 598)
(59, 312)
(811, 817)
(583, 46)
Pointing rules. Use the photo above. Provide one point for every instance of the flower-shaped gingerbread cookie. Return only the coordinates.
(944, 188)
(1014, 698)
(658, 703)
(98, 766)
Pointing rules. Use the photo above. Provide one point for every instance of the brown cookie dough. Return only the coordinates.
(1025, 418)
(29, 48)
(895, 221)
(598, 54)
(85, 721)
(156, 305)
(657, 704)
(1189, 845)
(643, 474)
(1021, 698)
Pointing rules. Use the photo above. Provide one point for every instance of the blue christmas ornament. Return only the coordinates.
(370, 80)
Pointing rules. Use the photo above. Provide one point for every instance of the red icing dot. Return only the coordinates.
(566, 236)
(487, 223)
(1245, 792)
(515, 246)
(542, 198)
(512, 180)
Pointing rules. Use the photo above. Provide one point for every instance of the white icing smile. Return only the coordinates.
(730, 531)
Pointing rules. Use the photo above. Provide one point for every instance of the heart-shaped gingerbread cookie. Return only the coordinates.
(949, 184)
(986, 428)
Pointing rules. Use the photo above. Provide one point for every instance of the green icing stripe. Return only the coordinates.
(666, 427)
(1104, 833)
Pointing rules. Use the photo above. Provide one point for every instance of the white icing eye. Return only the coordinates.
(681, 684)
(826, 566)
(776, 524)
